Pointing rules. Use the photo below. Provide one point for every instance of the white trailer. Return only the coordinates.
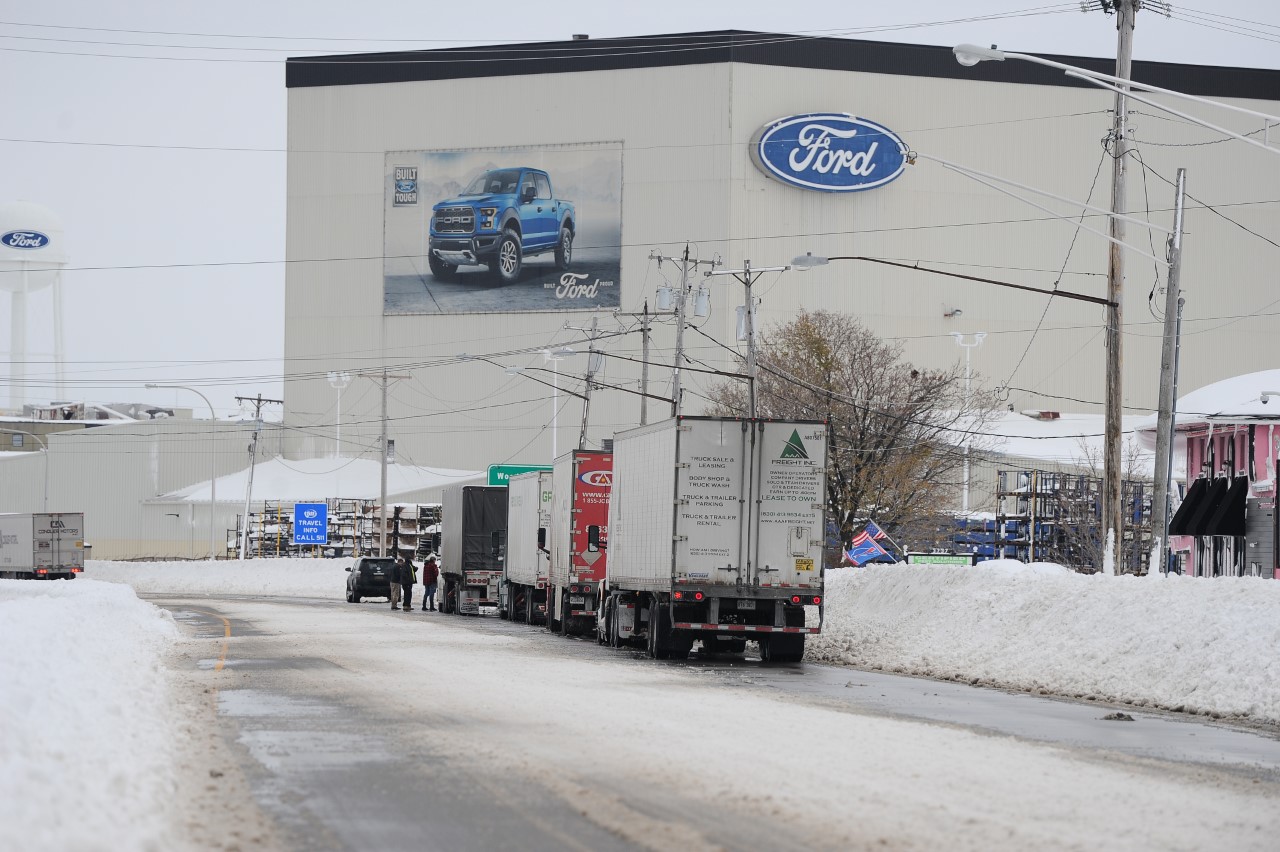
(716, 532)
(523, 596)
(44, 546)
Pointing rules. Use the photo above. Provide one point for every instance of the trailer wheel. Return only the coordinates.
(562, 626)
(529, 615)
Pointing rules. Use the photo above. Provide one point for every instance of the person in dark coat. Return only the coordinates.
(430, 576)
(393, 593)
(408, 576)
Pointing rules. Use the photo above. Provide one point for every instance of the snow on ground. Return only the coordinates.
(86, 733)
(1203, 646)
(1181, 643)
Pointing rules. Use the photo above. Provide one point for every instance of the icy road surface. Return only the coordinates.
(362, 728)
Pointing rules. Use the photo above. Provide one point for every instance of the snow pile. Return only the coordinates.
(84, 718)
(1179, 643)
(307, 578)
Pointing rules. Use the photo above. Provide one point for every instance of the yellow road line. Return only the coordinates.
(226, 636)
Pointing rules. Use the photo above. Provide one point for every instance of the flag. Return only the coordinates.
(881, 536)
(864, 549)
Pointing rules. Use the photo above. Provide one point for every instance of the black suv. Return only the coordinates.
(370, 577)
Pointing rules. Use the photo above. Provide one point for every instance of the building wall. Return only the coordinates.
(687, 176)
(114, 473)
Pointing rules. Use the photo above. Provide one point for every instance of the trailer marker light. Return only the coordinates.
(817, 599)
(697, 596)
(795, 599)
(678, 595)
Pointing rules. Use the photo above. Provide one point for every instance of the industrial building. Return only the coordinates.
(643, 147)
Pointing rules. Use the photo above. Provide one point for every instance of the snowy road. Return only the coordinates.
(361, 728)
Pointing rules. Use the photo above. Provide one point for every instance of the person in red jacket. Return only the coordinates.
(430, 576)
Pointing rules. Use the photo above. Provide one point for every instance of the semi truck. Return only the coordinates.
(716, 535)
(42, 546)
(473, 547)
(582, 481)
(524, 581)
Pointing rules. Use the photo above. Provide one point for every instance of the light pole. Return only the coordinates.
(1122, 86)
(339, 380)
(45, 445)
(555, 356)
(978, 337)
(213, 461)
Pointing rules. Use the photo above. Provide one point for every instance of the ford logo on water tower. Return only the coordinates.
(829, 152)
(24, 239)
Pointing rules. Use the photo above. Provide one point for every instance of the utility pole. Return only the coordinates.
(1173, 302)
(257, 403)
(749, 276)
(593, 359)
(1112, 509)
(385, 381)
(978, 337)
(644, 367)
(686, 265)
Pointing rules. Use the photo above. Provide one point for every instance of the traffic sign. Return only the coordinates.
(500, 473)
(310, 523)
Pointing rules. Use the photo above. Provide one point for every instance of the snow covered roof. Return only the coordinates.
(293, 480)
(1067, 438)
(1235, 400)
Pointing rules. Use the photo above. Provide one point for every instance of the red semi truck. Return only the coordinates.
(582, 481)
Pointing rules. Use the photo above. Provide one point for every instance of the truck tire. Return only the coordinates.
(564, 249)
(530, 614)
(516, 602)
(441, 270)
(507, 260)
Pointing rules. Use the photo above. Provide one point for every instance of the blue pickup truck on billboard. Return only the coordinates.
(501, 218)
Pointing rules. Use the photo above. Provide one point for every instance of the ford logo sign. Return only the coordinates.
(597, 478)
(24, 239)
(829, 152)
(406, 186)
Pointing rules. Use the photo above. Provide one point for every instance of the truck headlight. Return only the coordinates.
(487, 215)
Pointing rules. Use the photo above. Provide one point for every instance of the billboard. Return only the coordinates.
(499, 230)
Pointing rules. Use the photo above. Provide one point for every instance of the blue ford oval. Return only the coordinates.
(24, 239)
(406, 185)
(828, 152)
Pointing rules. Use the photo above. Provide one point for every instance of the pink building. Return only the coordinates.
(1228, 435)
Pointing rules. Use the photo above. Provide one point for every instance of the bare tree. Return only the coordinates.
(896, 430)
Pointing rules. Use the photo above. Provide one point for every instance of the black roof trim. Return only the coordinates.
(790, 51)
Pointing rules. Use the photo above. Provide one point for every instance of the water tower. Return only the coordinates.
(32, 256)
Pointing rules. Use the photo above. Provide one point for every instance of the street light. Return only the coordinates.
(213, 461)
(971, 54)
(339, 380)
(45, 444)
(555, 356)
(978, 337)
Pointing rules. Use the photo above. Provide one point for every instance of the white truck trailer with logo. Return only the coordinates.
(473, 547)
(524, 580)
(581, 484)
(43, 546)
(716, 533)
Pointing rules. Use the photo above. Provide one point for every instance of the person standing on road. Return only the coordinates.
(393, 594)
(408, 576)
(430, 576)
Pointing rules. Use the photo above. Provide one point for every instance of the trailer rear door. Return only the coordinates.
(791, 460)
(711, 500)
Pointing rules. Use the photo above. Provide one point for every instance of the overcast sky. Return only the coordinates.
(156, 131)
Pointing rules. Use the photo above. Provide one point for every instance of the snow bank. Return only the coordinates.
(1179, 643)
(310, 578)
(84, 718)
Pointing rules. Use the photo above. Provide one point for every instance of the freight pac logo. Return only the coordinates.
(597, 478)
(794, 447)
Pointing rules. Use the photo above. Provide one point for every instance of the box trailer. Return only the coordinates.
(716, 535)
(473, 547)
(43, 546)
(523, 593)
(582, 481)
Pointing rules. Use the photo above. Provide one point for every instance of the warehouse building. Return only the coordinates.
(655, 143)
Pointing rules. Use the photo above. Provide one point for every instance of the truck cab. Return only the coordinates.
(502, 217)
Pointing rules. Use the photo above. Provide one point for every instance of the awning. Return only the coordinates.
(1228, 518)
(1182, 518)
(1199, 521)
